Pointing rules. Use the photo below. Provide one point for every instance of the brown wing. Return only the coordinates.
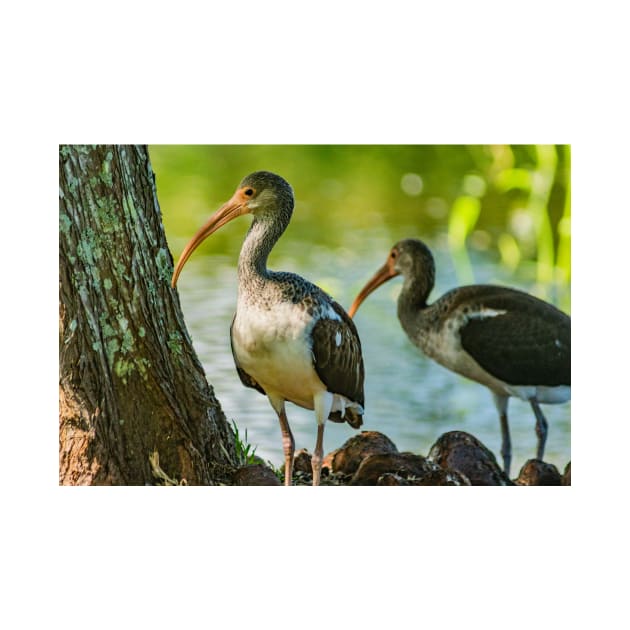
(338, 361)
(246, 379)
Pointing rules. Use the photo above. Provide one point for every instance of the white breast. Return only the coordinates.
(273, 346)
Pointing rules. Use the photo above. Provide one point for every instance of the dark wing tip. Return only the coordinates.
(354, 419)
(338, 361)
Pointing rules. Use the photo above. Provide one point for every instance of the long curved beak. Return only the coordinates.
(385, 273)
(235, 207)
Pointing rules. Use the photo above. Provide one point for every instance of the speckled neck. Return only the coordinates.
(252, 263)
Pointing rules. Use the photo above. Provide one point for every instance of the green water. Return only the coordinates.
(352, 204)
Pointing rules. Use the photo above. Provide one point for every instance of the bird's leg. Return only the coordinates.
(541, 428)
(506, 443)
(501, 403)
(322, 402)
(318, 455)
(288, 446)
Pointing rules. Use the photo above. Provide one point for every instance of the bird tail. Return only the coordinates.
(351, 416)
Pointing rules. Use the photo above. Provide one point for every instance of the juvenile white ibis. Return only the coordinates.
(505, 339)
(290, 340)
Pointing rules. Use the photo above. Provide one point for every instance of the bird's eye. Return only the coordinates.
(249, 192)
(393, 254)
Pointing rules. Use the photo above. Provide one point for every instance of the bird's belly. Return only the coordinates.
(278, 357)
(543, 394)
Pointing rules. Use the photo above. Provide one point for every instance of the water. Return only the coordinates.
(408, 397)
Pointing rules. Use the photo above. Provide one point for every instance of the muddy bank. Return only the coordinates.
(371, 459)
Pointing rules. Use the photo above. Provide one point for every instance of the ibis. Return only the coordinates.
(512, 342)
(290, 340)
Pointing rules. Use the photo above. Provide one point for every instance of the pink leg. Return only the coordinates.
(318, 455)
(288, 446)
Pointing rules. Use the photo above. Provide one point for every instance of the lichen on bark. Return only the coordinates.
(124, 348)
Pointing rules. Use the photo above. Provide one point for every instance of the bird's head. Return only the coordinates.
(410, 258)
(265, 195)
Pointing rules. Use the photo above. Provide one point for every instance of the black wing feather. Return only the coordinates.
(528, 345)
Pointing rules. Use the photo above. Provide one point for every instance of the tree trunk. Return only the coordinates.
(131, 385)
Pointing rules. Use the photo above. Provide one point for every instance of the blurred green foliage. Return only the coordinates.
(510, 201)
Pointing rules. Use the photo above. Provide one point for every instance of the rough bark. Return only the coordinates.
(131, 385)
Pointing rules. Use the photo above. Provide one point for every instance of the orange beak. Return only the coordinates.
(235, 207)
(385, 273)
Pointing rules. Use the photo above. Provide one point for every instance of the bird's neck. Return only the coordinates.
(413, 298)
(260, 239)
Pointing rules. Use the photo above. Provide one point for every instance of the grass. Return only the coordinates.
(245, 453)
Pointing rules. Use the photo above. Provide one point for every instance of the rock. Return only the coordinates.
(371, 459)
(535, 472)
(257, 460)
(441, 477)
(464, 453)
(415, 469)
(377, 464)
(347, 459)
(391, 479)
(328, 460)
(436, 477)
(302, 462)
(255, 475)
